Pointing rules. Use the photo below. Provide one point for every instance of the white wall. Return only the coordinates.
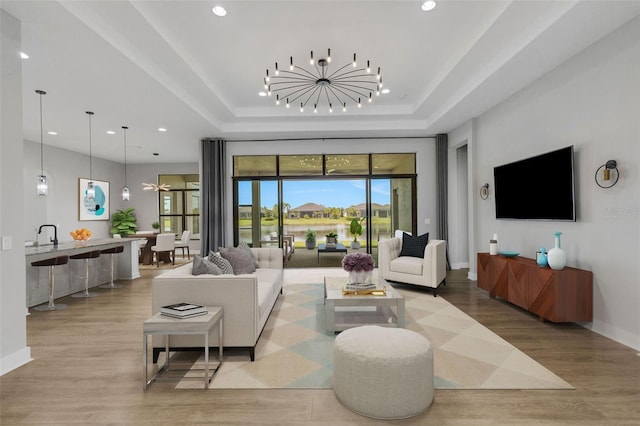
(60, 206)
(14, 351)
(592, 102)
(425, 165)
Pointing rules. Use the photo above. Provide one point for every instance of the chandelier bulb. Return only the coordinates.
(277, 99)
(269, 91)
(267, 77)
(311, 58)
(301, 107)
(288, 103)
(368, 68)
(277, 72)
(359, 103)
(291, 63)
(354, 60)
(315, 108)
(328, 55)
(370, 99)
(344, 107)
(330, 107)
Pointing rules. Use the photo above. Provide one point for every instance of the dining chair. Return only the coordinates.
(183, 243)
(165, 243)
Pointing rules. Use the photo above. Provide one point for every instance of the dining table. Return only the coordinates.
(146, 255)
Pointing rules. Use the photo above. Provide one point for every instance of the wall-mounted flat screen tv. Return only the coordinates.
(537, 188)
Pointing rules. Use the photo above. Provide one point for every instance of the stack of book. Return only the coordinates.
(183, 310)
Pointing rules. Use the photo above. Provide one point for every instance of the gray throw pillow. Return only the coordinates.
(239, 261)
(221, 263)
(247, 250)
(414, 246)
(202, 265)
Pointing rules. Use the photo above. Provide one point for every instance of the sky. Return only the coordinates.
(330, 193)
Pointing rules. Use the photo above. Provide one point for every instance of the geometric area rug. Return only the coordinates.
(295, 351)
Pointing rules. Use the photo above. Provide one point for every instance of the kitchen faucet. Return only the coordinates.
(55, 234)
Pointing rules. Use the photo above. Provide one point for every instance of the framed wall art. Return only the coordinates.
(94, 207)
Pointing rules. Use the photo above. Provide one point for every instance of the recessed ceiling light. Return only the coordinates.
(111, 132)
(52, 133)
(428, 5)
(385, 91)
(24, 55)
(262, 93)
(218, 10)
(162, 129)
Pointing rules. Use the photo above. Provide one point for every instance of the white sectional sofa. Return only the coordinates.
(247, 300)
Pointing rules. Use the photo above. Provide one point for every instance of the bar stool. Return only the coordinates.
(51, 262)
(86, 256)
(111, 251)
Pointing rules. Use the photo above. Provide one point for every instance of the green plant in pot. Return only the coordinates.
(124, 222)
(155, 225)
(356, 229)
(332, 238)
(310, 239)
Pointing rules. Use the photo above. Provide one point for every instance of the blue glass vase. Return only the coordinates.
(542, 258)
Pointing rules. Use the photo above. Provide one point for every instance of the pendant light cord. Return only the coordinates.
(125, 154)
(89, 113)
(41, 92)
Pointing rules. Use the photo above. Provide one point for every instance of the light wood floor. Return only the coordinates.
(87, 369)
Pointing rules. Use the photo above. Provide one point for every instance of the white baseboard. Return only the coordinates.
(460, 265)
(472, 276)
(15, 360)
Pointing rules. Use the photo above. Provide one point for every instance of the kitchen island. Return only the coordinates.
(69, 278)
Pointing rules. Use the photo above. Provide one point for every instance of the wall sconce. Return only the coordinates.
(609, 176)
(484, 191)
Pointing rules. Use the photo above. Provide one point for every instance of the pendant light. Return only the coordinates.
(42, 187)
(91, 191)
(125, 188)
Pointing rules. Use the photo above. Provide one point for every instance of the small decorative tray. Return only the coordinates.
(350, 291)
(509, 253)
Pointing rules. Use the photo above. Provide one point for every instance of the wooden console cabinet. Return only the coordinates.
(558, 296)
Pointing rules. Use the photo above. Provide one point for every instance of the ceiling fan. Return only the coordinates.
(155, 187)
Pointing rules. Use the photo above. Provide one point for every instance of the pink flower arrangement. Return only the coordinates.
(358, 262)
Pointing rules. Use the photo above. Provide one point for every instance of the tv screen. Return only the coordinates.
(536, 188)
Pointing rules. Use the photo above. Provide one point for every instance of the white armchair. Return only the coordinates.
(429, 271)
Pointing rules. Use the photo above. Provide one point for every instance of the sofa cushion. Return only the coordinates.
(240, 262)
(202, 265)
(414, 246)
(407, 265)
(247, 250)
(221, 262)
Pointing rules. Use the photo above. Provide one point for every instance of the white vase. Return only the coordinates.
(359, 277)
(557, 257)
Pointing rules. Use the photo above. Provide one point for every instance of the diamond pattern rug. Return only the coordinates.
(295, 351)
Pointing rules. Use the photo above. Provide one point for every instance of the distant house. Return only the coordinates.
(377, 210)
(308, 209)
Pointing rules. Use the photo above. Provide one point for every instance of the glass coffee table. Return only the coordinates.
(344, 309)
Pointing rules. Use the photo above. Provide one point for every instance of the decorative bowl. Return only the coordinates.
(509, 253)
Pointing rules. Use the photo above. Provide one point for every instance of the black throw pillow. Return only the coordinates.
(414, 246)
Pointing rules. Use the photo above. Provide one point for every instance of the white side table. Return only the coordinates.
(162, 324)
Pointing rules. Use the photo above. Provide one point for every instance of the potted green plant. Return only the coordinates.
(356, 229)
(123, 222)
(332, 238)
(156, 226)
(310, 239)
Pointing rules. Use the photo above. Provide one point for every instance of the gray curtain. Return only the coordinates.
(442, 169)
(213, 195)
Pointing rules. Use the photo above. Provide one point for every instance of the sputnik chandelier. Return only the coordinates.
(318, 84)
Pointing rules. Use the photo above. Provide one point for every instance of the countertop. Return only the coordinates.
(65, 247)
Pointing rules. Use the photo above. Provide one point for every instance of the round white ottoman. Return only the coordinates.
(384, 373)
